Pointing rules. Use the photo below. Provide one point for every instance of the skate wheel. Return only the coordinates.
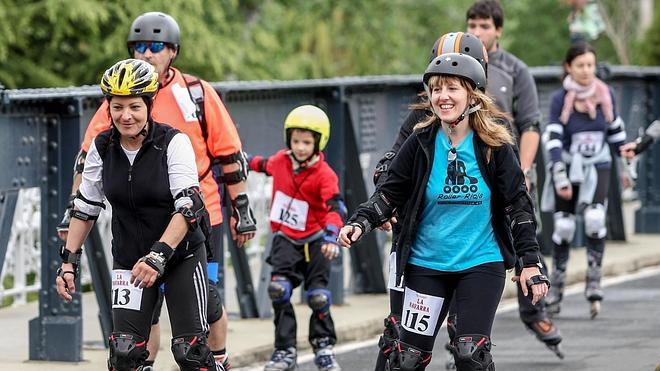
(595, 309)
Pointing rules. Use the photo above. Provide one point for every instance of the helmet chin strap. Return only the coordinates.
(142, 132)
(468, 110)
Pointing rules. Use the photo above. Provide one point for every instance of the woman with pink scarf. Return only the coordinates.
(583, 124)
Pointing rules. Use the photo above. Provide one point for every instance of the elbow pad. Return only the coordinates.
(383, 165)
(195, 213)
(240, 175)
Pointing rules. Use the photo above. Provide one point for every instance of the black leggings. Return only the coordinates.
(477, 294)
(186, 294)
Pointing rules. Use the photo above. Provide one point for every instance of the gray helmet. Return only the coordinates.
(456, 64)
(154, 26)
(461, 42)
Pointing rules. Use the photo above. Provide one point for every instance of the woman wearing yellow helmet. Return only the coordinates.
(146, 171)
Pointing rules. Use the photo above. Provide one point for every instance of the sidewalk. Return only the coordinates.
(250, 341)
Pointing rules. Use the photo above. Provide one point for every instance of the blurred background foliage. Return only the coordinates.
(51, 43)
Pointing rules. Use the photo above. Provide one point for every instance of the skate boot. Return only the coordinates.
(556, 292)
(324, 355)
(546, 332)
(222, 362)
(282, 360)
(593, 292)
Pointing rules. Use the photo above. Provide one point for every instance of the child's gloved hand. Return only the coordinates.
(330, 250)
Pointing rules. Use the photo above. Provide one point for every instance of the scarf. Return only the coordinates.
(591, 95)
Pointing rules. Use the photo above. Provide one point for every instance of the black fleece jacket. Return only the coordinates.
(408, 176)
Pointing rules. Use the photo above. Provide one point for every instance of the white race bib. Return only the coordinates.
(186, 105)
(125, 295)
(289, 211)
(391, 277)
(587, 143)
(420, 312)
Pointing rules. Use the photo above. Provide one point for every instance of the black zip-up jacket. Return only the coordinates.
(408, 177)
(142, 203)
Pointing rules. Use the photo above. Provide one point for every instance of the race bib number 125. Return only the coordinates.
(289, 211)
(125, 295)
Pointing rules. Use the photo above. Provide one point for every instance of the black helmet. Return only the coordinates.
(154, 26)
(461, 42)
(456, 64)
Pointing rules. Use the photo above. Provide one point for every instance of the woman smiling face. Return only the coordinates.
(129, 115)
(449, 97)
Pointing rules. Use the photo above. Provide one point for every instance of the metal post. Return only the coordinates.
(336, 157)
(366, 260)
(648, 215)
(57, 320)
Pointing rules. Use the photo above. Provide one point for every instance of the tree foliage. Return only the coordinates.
(70, 42)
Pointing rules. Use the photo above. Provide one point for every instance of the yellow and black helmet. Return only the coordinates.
(130, 77)
(308, 117)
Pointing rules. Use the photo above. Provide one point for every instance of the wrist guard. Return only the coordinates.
(537, 280)
(70, 258)
(158, 257)
(245, 220)
(331, 233)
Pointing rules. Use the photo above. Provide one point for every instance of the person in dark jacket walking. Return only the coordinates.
(455, 238)
(146, 171)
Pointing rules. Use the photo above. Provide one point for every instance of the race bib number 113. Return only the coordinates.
(125, 295)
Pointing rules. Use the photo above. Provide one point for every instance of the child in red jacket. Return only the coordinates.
(306, 214)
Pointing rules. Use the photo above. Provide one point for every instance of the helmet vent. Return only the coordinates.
(454, 63)
(467, 49)
(156, 30)
(122, 73)
(138, 30)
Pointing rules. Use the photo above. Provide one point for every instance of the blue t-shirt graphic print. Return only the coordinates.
(455, 231)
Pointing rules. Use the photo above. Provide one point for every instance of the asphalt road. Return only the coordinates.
(625, 336)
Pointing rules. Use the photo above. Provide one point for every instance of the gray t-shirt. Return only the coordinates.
(514, 90)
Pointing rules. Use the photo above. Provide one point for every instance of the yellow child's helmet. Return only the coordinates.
(130, 77)
(310, 118)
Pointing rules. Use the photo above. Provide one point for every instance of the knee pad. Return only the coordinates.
(408, 358)
(279, 289)
(391, 334)
(192, 353)
(319, 300)
(564, 228)
(472, 353)
(594, 221)
(127, 352)
(213, 304)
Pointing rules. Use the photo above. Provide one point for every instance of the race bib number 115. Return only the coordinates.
(420, 312)
(125, 295)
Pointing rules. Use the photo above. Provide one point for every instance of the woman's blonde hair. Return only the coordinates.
(483, 122)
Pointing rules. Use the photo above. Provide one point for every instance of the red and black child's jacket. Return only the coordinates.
(304, 202)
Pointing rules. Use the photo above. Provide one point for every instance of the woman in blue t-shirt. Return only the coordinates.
(583, 124)
(464, 196)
